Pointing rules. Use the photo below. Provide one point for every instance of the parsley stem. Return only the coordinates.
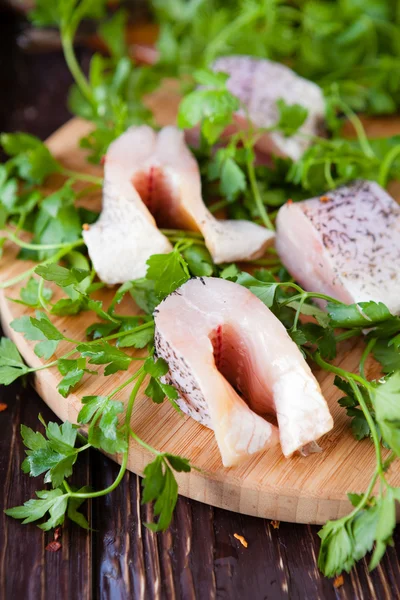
(177, 239)
(392, 457)
(370, 422)
(41, 298)
(55, 258)
(298, 311)
(96, 181)
(359, 129)
(182, 233)
(364, 498)
(107, 490)
(365, 355)
(337, 371)
(219, 205)
(16, 240)
(53, 363)
(125, 383)
(114, 336)
(143, 443)
(85, 447)
(387, 164)
(228, 31)
(304, 294)
(347, 334)
(256, 193)
(73, 65)
(125, 456)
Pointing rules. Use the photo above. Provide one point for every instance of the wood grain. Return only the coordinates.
(302, 490)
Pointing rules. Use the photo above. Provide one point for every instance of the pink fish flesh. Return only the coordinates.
(235, 366)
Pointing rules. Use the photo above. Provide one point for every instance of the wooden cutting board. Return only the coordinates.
(298, 489)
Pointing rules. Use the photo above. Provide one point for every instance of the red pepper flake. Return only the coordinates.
(57, 533)
(275, 524)
(324, 199)
(53, 546)
(103, 159)
(241, 539)
(290, 201)
(3, 406)
(85, 227)
(338, 582)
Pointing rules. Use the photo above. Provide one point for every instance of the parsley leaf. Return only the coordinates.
(199, 261)
(359, 425)
(32, 160)
(102, 353)
(362, 314)
(137, 339)
(213, 108)
(11, 363)
(291, 117)
(30, 294)
(336, 553)
(43, 324)
(73, 505)
(102, 414)
(385, 399)
(224, 167)
(264, 290)
(34, 329)
(387, 355)
(159, 485)
(54, 456)
(156, 389)
(73, 371)
(52, 501)
(60, 275)
(168, 271)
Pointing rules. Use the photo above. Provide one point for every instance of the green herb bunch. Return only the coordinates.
(353, 53)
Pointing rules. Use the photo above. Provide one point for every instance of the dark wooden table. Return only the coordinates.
(198, 557)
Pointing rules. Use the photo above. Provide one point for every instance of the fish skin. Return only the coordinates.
(259, 83)
(346, 245)
(152, 180)
(214, 333)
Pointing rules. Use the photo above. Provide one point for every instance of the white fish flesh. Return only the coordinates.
(259, 83)
(235, 366)
(345, 244)
(152, 180)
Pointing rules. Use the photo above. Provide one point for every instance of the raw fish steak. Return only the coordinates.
(345, 244)
(152, 180)
(237, 371)
(259, 83)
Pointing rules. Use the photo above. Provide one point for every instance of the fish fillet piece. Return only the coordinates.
(233, 363)
(259, 83)
(152, 180)
(345, 244)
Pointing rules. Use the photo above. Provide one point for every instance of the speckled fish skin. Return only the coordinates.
(152, 180)
(216, 336)
(345, 244)
(259, 83)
